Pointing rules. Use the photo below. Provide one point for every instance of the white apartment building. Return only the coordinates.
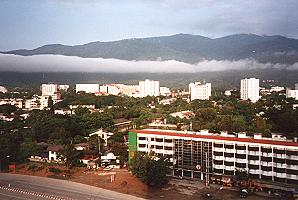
(165, 91)
(112, 89)
(250, 89)
(14, 102)
(193, 154)
(63, 87)
(292, 93)
(276, 89)
(200, 91)
(130, 90)
(88, 88)
(3, 89)
(149, 88)
(50, 89)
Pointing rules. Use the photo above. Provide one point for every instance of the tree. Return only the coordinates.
(150, 169)
(70, 156)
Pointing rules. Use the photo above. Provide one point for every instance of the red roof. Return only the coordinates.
(217, 137)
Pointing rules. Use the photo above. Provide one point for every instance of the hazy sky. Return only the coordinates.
(32, 23)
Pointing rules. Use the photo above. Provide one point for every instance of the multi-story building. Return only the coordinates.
(14, 102)
(290, 93)
(195, 154)
(88, 88)
(112, 89)
(250, 89)
(63, 87)
(149, 88)
(3, 89)
(50, 90)
(165, 91)
(200, 91)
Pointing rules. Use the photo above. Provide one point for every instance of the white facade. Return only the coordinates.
(112, 89)
(3, 89)
(49, 89)
(165, 91)
(199, 91)
(130, 90)
(276, 89)
(88, 88)
(250, 89)
(149, 88)
(14, 102)
(63, 87)
(292, 94)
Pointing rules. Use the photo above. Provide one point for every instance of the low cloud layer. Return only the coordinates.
(58, 63)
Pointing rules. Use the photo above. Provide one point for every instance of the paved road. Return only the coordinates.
(22, 187)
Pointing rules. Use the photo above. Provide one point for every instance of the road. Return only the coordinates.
(22, 187)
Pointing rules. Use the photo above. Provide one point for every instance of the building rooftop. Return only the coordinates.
(238, 137)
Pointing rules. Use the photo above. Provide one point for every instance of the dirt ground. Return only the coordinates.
(125, 182)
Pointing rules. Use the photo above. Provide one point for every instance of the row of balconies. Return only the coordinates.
(161, 151)
(258, 171)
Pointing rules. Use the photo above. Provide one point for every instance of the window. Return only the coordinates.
(142, 145)
(168, 148)
(142, 138)
(159, 140)
(159, 147)
(168, 140)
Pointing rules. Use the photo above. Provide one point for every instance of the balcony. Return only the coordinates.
(292, 157)
(267, 164)
(218, 149)
(255, 171)
(169, 144)
(254, 153)
(281, 175)
(281, 156)
(218, 157)
(230, 168)
(229, 159)
(218, 166)
(268, 173)
(267, 154)
(157, 143)
(169, 152)
(280, 165)
(292, 176)
(159, 151)
(254, 162)
(144, 149)
(239, 160)
(241, 151)
(142, 141)
(295, 167)
(230, 150)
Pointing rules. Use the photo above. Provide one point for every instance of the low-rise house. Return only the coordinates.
(54, 152)
(183, 114)
(81, 146)
(122, 124)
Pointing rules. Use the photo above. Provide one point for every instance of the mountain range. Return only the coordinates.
(181, 47)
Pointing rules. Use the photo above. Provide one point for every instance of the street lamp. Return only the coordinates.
(3, 159)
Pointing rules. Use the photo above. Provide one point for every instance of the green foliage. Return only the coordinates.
(150, 169)
(55, 170)
(70, 156)
(7, 109)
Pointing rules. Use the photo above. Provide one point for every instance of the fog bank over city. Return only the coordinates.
(59, 63)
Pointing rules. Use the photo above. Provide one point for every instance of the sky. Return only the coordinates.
(27, 24)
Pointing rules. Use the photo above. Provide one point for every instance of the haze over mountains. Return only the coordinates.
(182, 47)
